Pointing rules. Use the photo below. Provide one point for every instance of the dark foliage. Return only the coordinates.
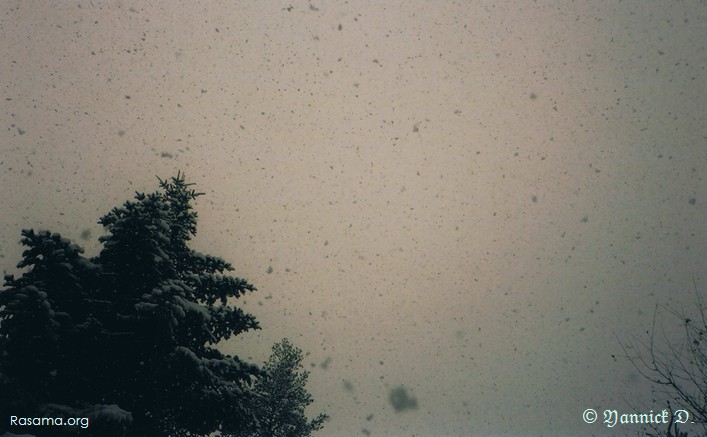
(127, 338)
(282, 396)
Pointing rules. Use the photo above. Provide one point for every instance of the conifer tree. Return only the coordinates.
(128, 337)
(283, 397)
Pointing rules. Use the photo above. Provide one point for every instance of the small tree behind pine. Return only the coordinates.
(282, 396)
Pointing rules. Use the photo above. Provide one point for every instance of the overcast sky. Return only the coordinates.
(470, 200)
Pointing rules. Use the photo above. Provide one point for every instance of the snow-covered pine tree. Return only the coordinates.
(133, 330)
(171, 307)
(48, 336)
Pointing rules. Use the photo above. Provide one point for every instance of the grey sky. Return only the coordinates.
(468, 199)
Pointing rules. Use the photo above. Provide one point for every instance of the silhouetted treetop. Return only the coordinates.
(128, 336)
